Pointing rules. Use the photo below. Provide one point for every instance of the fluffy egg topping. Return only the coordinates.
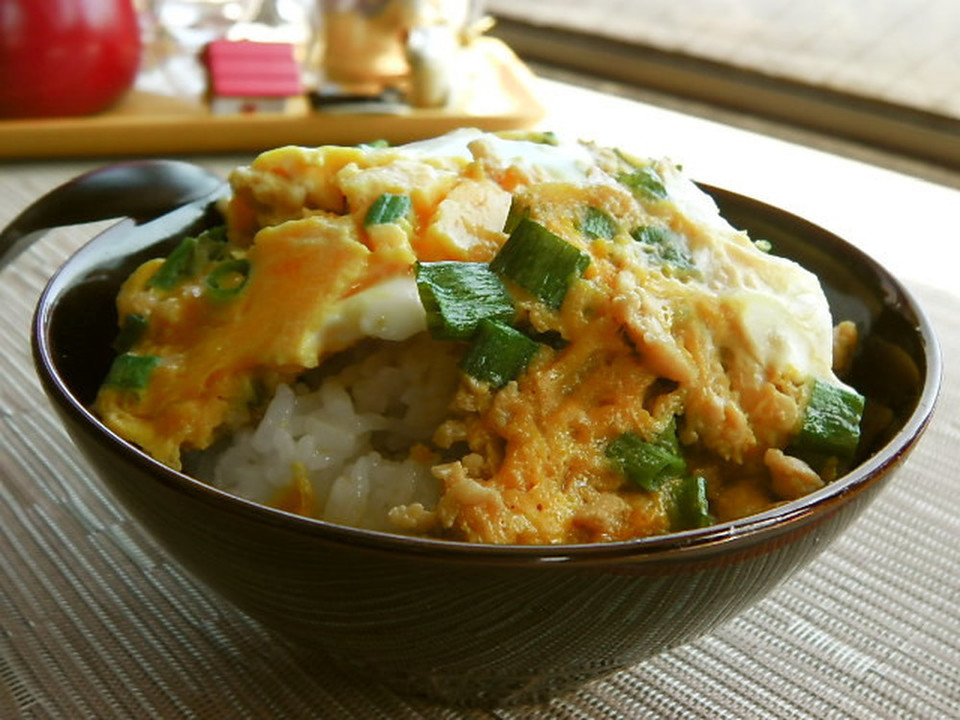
(647, 366)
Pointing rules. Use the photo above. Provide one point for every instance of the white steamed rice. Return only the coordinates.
(351, 434)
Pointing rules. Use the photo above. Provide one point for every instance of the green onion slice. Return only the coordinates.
(666, 245)
(647, 464)
(211, 246)
(498, 353)
(518, 211)
(388, 208)
(216, 235)
(831, 422)
(188, 257)
(176, 267)
(597, 223)
(646, 181)
(131, 372)
(545, 137)
(542, 263)
(228, 279)
(687, 505)
(457, 295)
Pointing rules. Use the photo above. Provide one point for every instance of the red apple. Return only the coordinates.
(66, 57)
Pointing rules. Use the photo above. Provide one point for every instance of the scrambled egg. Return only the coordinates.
(680, 324)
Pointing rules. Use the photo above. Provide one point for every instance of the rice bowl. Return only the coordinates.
(484, 624)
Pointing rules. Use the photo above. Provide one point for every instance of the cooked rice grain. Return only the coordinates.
(351, 434)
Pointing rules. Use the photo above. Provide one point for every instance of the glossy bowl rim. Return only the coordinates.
(774, 521)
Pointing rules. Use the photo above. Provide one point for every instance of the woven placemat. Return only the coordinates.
(97, 622)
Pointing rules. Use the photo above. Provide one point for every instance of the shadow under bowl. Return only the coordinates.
(475, 624)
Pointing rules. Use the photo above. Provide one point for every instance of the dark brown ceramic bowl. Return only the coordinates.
(483, 624)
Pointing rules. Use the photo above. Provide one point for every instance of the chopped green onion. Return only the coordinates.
(457, 295)
(540, 137)
(211, 246)
(687, 504)
(831, 422)
(228, 278)
(189, 257)
(647, 181)
(387, 208)
(540, 262)
(596, 223)
(133, 328)
(518, 211)
(498, 353)
(668, 246)
(544, 137)
(131, 372)
(176, 267)
(216, 235)
(647, 464)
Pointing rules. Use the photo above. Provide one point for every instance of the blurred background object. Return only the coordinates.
(246, 76)
(882, 72)
(176, 32)
(375, 42)
(878, 76)
(241, 75)
(66, 57)
(358, 45)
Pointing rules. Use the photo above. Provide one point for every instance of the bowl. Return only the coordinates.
(475, 624)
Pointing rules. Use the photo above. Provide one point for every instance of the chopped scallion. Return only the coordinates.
(518, 211)
(388, 208)
(831, 422)
(666, 245)
(545, 137)
(228, 278)
(498, 353)
(211, 246)
(131, 372)
(597, 223)
(176, 267)
(686, 501)
(542, 263)
(457, 295)
(647, 464)
(540, 137)
(216, 234)
(646, 181)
